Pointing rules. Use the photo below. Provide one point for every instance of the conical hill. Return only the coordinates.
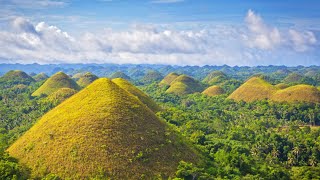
(215, 77)
(119, 74)
(61, 95)
(213, 91)
(298, 93)
(16, 77)
(40, 77)
(124, 84)
(55, 82)
(252, 90)
(87, 79)
(168, 79)
(101, 131)
(183, 85)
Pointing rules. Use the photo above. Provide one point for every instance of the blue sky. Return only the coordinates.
(181, 32)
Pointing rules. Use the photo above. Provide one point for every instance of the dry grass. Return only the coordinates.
(215, 77)
(213, 91)
(281, 86)
(124, 84)
(168, 79)
(183, 85)
(86, 79)
(40, 77)
(61, 94)
(298, 93)
(101, 131)
(16, 76)
(55, 82)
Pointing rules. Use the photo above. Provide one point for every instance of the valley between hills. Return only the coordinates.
(159, 122)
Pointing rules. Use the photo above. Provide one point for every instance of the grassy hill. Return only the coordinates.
(293, 78)
(151, 76)
(61, 95)
(120, 74)
(281, 86)
(253, 89)
(55, 82)
(183, 85)
(124, 84)
(16, 77)
(300, 93)
(86, 79)
(215, 77)
(213, 91)
(101, 132)
(40, 77)
(168, 79)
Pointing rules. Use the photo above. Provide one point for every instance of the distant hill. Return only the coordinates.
(61, 94)
(213, 91)
(120, 74)
(253, 89)
(124, 84)
(215, 77)
(281, 86)
(151, 76)
(297, 93)
(101, 132)
(40, 77)
(86, 79)
(168, 79)
(293, 78)
(16, 77)
(183, 85)
(55, 82)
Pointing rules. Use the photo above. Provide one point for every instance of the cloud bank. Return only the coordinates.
(253, 43)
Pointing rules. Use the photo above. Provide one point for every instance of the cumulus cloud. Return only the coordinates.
(251, 44)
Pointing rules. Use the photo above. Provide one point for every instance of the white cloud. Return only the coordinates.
(37, 4)
(252, 44)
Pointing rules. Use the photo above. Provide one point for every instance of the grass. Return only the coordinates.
(61, 94)
(86, 79)
(102, 130)
(120, 74)
(258, 89)
(40, 77)
(152, 76)
(281, 86)
(215, 77)
(17, 77)
(252, 90)
(55, 82)
(293, 77)
(124, 84)
(168, 79)
(183, 85)
(213, 91)
(297, 93)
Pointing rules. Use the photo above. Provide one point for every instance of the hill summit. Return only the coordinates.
(86, 79)
(168, 79)
(102, 131)
(40, 77)
(301, 93)
(17, 77)
(55, 82)
(183, 85)
(124, 84)
(254, 89)
(213, 91)
(215, 77)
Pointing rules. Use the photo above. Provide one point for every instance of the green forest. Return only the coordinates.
(255, 123)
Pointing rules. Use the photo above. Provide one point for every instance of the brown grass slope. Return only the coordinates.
(86, 79)
(252, 90)
(61, 94)
(215, 77)
(168, 79)
(292, 78)
(124, 84)
(183, 85)
(281, 86)
(40, 77)
(298, 93)
(213, 91)
(120, 74)
(17, 76)
(55, 82)
(101, 131)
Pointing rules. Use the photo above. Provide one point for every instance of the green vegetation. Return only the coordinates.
(252, 90)
(168, 79)
(119, 74)
(86, 79)
(124, 84)
(101, 131)
(215, 77)
(183, 85)
(213, 91)
(293, 78)
(16, 77)
(55, 82)
(151, 76)
(40, 77)
(297, 93)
